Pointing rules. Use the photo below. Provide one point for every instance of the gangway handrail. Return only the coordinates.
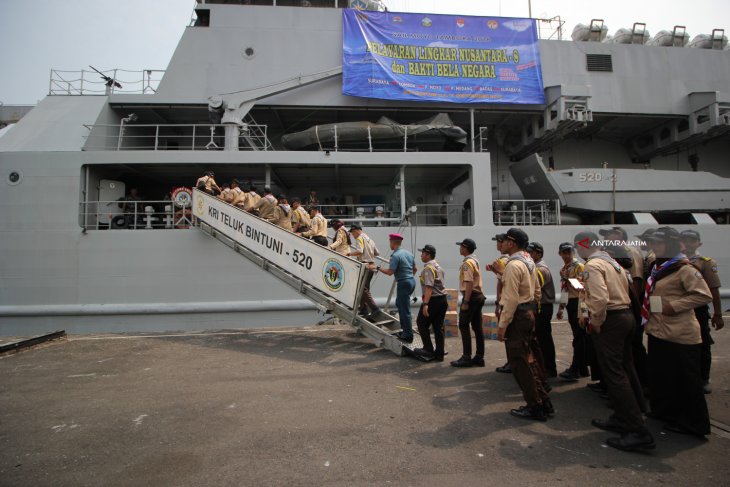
(236, 228)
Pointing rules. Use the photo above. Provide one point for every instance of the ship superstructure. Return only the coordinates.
(78, 253)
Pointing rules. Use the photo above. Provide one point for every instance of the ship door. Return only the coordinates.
(110, 192)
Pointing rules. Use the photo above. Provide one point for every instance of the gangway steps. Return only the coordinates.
(379, 332)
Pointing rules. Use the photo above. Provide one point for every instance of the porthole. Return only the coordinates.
(248, 53)
(14, 178)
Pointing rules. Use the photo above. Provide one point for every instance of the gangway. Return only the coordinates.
(333, 282)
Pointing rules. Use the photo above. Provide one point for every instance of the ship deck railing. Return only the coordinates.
(526, 212)
(89, 82)
(125, 214)
(156, 137)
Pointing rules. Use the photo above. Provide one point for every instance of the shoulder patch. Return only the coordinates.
(714, 269)
(698, 275)
(706, 259)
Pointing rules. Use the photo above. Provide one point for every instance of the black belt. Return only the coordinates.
(526, 307)
(617, 311)
(440, 296)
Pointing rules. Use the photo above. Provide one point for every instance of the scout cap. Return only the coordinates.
(536, 247)
(518, 236)
(430, 249)
(664, 234)
(355, 226)
(470, 244)
(646, 233)
(690, 234)
(566, 247)
(500, 237)
(395, 236)
(618, 230)
(337, 224)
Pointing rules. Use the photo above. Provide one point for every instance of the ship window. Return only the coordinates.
(599, 62)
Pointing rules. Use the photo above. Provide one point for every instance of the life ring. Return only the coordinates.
(119, 221)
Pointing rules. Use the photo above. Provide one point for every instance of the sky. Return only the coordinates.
(142, 34)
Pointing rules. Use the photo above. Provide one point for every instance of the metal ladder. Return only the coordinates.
(379, 331)
(254, 135)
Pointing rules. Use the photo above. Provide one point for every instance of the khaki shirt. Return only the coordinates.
(367, 248)
(571, 270)
(340, 244)
(685, 290)
(208, 182)
(432, 276)
(519, 286)
(318, 228)
(251, 200)
(226, 195)
(265, 207)
(469, 272)
(237, 196)
(300, 217)
(606, 289)
(281, 218)
(708, 269)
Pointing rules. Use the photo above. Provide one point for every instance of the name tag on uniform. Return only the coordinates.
(655, 303)
(564, 298)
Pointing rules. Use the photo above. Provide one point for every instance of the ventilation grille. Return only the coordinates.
(599, 62)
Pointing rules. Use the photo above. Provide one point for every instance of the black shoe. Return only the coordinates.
(478, 361)
(596, 387)
(547, 407)
(424, 354)
(547, 386)
(527, 412)
(608, 425)
(438, 358)
(549, 374)
(569, 376)
(505, 369)
(462, 362)
(635, 441)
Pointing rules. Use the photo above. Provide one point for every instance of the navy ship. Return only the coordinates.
(95, 211)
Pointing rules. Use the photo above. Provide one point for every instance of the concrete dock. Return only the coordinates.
(314, 406)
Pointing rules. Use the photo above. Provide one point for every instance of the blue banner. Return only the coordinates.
(443, 58)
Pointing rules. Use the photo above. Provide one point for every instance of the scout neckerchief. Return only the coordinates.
(565, 274)
(434, 268)
(523, 257)
(656, 273)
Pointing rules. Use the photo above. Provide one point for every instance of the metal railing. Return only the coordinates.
(526, 212)
(126, 214)
(88, 82)
(133, 136)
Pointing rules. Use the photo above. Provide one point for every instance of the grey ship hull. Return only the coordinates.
(55, 275)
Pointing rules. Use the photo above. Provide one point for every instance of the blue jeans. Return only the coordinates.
(403, 303)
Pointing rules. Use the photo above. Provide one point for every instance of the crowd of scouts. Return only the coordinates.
(612, 299)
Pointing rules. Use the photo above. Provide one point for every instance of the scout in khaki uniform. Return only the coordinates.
(341, 240)
(619, 235)
(611, 324)
(252, 198)
(264, 207)
(673, 290)
(207, 183)
(497, 267)
(518, 302)
(282, 213)
(470, 313)
(543, 320)
(572, 269)
(365, 251)
(433, 306)
(300, 219)
(237, 196)
(317, 228)
(690, 240)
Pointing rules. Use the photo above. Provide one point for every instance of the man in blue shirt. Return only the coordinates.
(402, 267)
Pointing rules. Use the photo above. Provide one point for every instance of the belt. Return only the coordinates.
(439, 296)
(526, 307)
(617, 311)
